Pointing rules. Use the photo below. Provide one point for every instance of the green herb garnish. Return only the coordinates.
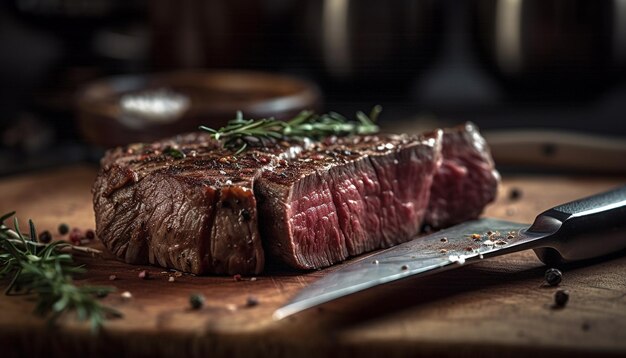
(241, 133)
(174, 153)
(46, 270)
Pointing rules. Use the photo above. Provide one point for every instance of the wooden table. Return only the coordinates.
(494, 308)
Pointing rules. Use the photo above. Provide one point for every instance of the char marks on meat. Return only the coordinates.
(309, 205)
(196, 214)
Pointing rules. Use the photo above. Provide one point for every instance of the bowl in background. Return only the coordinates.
(141, 108)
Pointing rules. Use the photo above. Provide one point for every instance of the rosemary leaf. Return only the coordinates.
(174, 153)
(46, 271)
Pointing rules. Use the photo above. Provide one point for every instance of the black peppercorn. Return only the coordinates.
(560, 298)
(196, 301)
(45, 237)
(585, 326)
(553, 276)
(252, 301)
(64, 229)
(515, 194)
(90, 234)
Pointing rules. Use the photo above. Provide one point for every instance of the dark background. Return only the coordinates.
(502, 64)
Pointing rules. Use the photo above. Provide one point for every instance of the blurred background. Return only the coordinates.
(543, 79)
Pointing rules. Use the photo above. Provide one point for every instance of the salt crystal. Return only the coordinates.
(454, 258)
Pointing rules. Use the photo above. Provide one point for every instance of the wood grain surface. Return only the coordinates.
(497, 307)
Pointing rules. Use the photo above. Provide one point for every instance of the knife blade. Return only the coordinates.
(583, 229)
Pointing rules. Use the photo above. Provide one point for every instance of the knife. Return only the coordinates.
(579, 230)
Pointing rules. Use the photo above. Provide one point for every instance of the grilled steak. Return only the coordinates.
(188, 203)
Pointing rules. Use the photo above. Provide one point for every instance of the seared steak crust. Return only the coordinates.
(196, 214)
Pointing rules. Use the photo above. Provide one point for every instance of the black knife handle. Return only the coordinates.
(583, 229)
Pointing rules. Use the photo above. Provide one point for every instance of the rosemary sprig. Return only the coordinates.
(46, 270)
(242, 133)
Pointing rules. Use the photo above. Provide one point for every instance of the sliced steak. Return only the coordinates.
(466, 181)
(187, 203)
(346, 198)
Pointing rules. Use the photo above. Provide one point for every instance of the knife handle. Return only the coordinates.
(583, 229)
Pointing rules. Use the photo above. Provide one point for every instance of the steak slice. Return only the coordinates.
(466, 181)
(195, 214)
(345, 198)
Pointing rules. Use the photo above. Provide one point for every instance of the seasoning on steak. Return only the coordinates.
(309, 204)
(466, 181)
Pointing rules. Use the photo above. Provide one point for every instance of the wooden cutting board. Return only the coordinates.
(494, 308)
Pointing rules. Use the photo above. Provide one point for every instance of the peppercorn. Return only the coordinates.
(196, 301)
(64, 229)
(515, 193)
(76, 236)
(102, 293)
(405, 267)
(45, 237)
(560, 298)
(252, 301)
(553, 276)
(90, 234)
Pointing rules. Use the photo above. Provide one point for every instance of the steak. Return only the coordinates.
(196, 214)
(465, 182)
(190, 204)
(332, 202)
